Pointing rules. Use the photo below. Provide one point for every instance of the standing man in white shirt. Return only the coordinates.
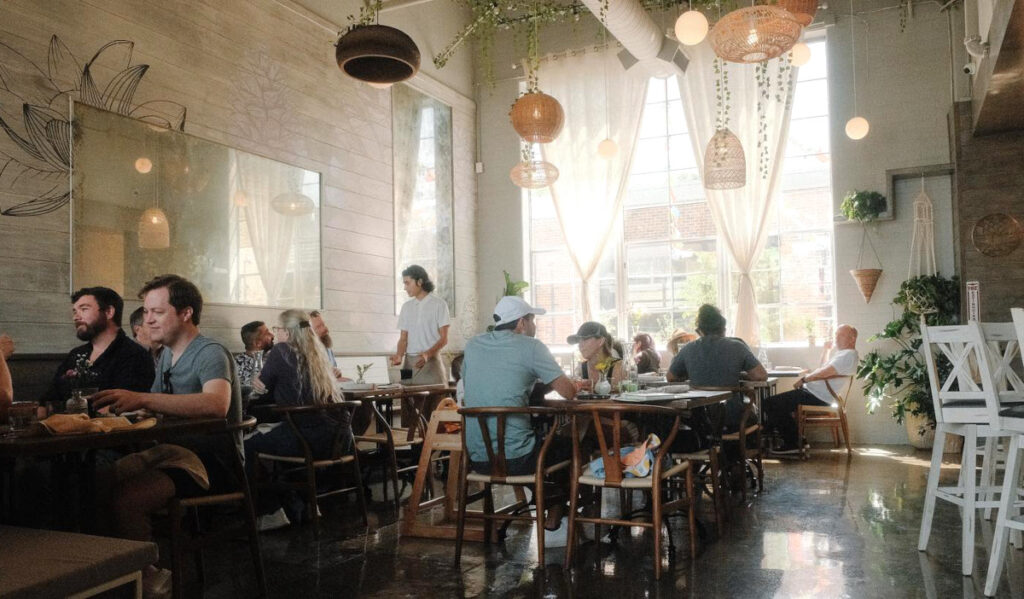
(810, 389)
(424, 322)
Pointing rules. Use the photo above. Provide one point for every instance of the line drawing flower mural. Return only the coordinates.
(35, 159)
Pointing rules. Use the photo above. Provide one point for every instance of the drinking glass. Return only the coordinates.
(21, 415)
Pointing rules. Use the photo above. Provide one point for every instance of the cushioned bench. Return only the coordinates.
(44, 563)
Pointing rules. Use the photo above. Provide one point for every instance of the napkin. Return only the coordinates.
(79, 424)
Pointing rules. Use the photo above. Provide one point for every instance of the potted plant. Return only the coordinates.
(809, 327)
(864, 207)
(900, 378)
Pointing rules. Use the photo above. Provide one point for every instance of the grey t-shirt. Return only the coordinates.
(716, 362)
(203, 360)
(499, 369)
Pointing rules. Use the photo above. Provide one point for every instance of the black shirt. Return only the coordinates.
(123, 365)
(280, 375)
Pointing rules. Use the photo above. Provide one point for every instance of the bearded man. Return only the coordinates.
(114, 360)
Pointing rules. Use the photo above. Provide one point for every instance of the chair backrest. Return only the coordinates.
(496, 451)
(444, 432)
(968, 392)
(1004, 359)
(839, 389)
(610, 414)
(330, 409)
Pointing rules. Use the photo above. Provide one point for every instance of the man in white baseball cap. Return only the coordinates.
(500, 368)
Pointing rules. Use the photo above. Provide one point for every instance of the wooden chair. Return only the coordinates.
(967, 403)
(390, 440)
(832, 417)
(707, 470)
(285, 467)
(1009, 518)
(195, 540)
(663, 476)
(751, 458)
(499, 474)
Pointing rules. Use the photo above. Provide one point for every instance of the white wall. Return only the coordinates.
(902, 88)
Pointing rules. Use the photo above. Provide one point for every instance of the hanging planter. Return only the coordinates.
(725, 166)
(864, 207)
(754, 34)
(377, 54)
(537, 117)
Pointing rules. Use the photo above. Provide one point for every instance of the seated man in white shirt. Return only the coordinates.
(810, 389)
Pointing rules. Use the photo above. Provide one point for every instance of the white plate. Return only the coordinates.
(350, 386)
(786, 369)
(648, 397)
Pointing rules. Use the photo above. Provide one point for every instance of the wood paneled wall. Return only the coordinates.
(258, 76)
(989, 179)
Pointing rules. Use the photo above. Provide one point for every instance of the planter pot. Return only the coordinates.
(867, 279)
(920, 435)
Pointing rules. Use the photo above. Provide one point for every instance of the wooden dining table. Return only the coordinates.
(79, 450)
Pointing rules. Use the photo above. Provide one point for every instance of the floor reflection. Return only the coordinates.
(832, 526)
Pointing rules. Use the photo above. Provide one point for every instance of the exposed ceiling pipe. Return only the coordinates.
(629, 23)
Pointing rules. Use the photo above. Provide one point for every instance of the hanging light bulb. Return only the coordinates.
(376, 85)
(607, 148)
(154, 230)
(143, 165)
(857, 128)
(801, 54)
(691, 27)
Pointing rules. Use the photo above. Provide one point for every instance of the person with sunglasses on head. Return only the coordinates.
(196, 378)
(297, 373)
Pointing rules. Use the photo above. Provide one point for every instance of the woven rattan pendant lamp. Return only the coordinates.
(534, 174)
(725, 166)
(754, 34)
(802, 10)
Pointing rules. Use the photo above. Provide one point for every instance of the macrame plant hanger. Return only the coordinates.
(922, 250)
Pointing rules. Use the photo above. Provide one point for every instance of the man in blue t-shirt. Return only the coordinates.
(500, 368)
(195, 378)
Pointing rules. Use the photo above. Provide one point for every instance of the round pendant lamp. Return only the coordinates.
(801, 54)
(857, 128)
(725, 166)
(143, 165)
(154, 230)
(607, 149)
(377, 54)
(291, 203)
(537, 117)
(754, 34)
(691, 27)
(802, 10)
(534, 174)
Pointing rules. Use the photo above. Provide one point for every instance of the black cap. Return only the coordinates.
(587, 331)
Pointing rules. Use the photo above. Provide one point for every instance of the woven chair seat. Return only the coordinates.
(299, 460)
(520, 479)
(400, 436)
(645, 482)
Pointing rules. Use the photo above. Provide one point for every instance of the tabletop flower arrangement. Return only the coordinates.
(361, 372)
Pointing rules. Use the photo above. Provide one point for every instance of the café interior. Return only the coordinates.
(611, 169)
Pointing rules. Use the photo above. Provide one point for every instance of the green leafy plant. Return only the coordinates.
(900, 378)
(361, 372)
(514, 287)
(863, 206)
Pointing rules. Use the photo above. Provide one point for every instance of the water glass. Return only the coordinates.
(21, 414)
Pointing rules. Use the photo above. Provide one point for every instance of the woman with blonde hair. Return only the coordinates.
(297, 372)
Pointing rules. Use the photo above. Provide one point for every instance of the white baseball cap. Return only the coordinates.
(511, 308)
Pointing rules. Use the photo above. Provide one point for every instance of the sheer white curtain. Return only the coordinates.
(741, 215)
(589, 191)
(270, 232)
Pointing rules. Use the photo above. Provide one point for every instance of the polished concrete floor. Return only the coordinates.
(832, 526)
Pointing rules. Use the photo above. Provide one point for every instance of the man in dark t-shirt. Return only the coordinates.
(715, 360)
(115, 361)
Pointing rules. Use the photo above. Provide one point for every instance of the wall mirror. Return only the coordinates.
(147, 201)
(422, 142)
